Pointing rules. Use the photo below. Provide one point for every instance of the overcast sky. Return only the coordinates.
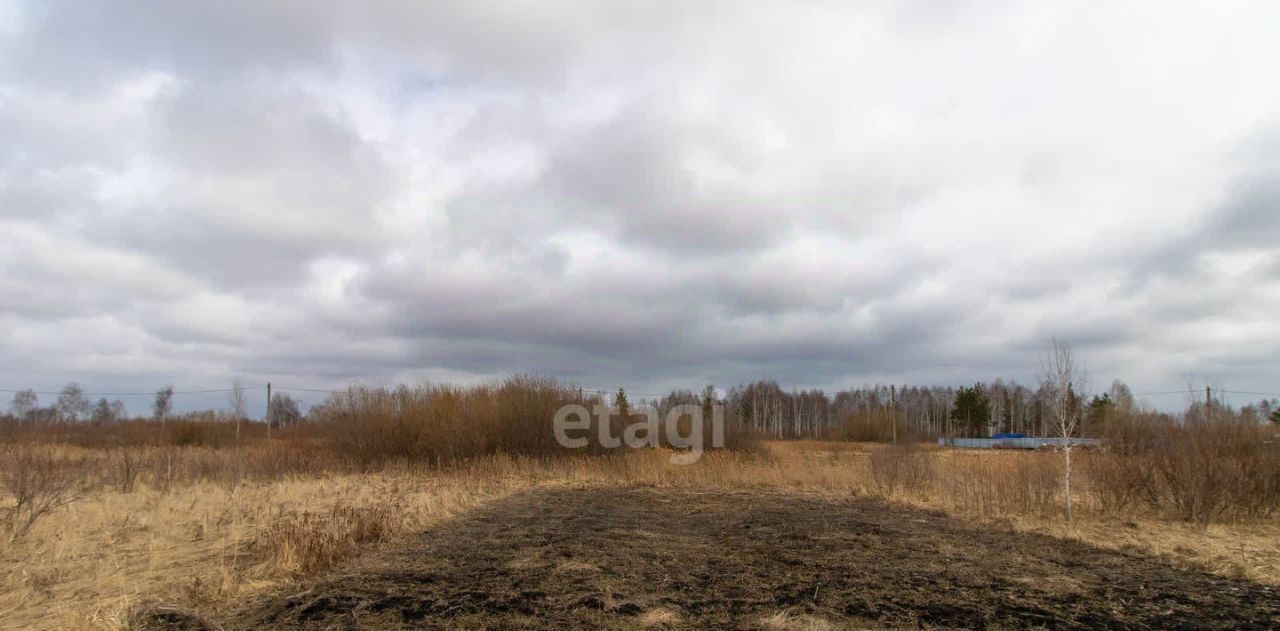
(825, 193)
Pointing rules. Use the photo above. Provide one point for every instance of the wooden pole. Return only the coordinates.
(893, 411)
(268, 410)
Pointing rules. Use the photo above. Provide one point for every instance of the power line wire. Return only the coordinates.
(136, 394)
(1256, 394)
(601, 391)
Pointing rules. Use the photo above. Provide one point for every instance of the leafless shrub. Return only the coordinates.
(904, 468)
(125, 469)
(1206, 471)
(1111, 483)
(444, 424)
(1199, 472)
(878, 425)
(1007, 484)
(206, 429)
(37, 480)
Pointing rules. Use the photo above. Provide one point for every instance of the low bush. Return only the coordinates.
(906, 468)
(1198, 472)
(441, 424)
(36, 480)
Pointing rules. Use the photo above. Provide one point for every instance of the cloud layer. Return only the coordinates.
(631, 194)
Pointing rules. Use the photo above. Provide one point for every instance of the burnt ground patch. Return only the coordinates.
(627, 558)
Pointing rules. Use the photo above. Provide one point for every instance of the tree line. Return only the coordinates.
(978, 410)
(767, 409)
(72, 405)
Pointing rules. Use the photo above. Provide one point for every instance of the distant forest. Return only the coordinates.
(875, 413)
(983, 409)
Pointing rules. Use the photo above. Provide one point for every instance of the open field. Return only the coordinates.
(626, 558)
(215, 546)
(753, 316)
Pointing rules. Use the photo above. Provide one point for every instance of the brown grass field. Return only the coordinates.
(234, 548)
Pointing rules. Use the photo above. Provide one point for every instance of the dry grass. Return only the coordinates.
(1242, 550)
(787, 621)
(659, 617)
(206, 542)
(204, 545)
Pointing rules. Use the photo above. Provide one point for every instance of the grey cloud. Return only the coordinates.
(1251, 217)
(77, 43)
(633, 170)
(626, 178)
(32, 193)
(626, 194)
(1247, 217)
(255, 186)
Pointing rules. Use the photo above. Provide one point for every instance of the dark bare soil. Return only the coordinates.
(606, 558)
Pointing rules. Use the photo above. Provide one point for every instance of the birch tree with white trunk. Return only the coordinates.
(1064, 381)
(237, 400)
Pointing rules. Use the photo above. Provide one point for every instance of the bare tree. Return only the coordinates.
(1063, 382)
(284, 411)
(72, 404)
(163, 404)
(24, 403)
(101, 412)
(1122, 396)
(236, 399)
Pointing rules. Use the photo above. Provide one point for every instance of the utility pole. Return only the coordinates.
(268, 410)
(893, 411)
(1208, 401)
